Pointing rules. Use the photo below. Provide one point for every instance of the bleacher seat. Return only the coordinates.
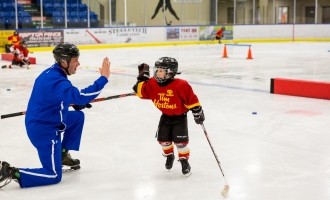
(77, 13)
(83, 7)
(58, 21)
(25, 21)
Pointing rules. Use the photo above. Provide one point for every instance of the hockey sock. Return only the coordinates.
(183, 150)
(167, 148)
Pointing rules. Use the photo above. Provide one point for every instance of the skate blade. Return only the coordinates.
(187, 174)
(66, 168)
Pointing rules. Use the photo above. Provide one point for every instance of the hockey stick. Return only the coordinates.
(225, 190)
(163, 10)
(95, 100)
(113, 97)
(167, 23)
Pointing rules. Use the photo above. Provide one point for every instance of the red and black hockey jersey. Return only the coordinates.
(175, 98)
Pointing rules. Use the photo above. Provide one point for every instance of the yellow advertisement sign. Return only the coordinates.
(4, 34)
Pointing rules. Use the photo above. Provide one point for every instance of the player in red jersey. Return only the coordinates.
(21, 55)
(174, 98)
(219, 34)
(13, 39)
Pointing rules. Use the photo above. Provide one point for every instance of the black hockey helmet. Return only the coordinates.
(65, 51)
(24, 42)
(169, 64)
(15, 33)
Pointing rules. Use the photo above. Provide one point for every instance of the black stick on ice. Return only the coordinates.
(95, 100)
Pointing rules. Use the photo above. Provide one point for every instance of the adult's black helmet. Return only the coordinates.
(65, 51)
(169, 64)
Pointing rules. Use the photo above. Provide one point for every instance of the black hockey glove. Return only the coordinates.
(144, 72)
(198, 114)
(80, 107)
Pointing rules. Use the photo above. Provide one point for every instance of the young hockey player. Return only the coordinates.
(52, 128)
(21, 56)
(174, 98)
(219, 34)
(13, 39)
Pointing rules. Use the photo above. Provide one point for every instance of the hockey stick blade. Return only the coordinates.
(95, 100)
(226, 188)
(168, 23)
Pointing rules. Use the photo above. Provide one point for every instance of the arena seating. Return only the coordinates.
(52, 9)
(8, 16)
(77, 13)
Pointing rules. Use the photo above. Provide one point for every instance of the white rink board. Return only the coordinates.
(115, 35)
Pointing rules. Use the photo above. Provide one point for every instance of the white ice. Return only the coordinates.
(280, 153)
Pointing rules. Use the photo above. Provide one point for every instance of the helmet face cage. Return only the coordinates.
(65, 51)
(166, 77)
(170, 65)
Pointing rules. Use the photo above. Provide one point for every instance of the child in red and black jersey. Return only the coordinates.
(174, 98)
(15, 38)
(219, 34)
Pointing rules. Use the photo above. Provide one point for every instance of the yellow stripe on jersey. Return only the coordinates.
(139, 87)
(192, 105)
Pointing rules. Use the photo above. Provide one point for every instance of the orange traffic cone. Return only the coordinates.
(249, 54)
(225, 52)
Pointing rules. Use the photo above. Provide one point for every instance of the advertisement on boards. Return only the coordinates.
(182, 33)
(4, 34)
(42, 38)
(114, 35)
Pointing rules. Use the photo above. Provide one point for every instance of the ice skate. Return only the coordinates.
(185, 167)
(68, 163)
(5, 66)
(169, 161)
(7, 173)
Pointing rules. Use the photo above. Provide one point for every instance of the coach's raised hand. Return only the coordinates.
(105, 69)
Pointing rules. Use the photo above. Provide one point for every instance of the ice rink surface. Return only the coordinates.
(280, 153)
